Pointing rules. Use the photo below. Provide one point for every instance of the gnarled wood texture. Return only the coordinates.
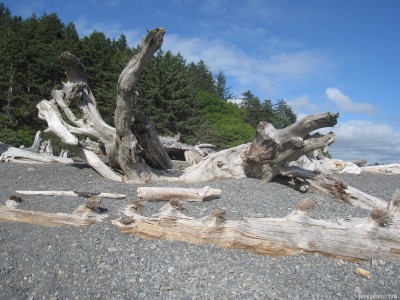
(297, 233)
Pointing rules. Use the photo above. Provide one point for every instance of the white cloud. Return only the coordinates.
(373, 141)
(302, 105)
(345, 104)
(112, 30)
(269, 74)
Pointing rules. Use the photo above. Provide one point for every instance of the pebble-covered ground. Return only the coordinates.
(99, 262)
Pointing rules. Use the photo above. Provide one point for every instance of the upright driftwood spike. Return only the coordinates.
(124, 154)
(381, 216)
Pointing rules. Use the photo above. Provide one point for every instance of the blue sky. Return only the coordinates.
(319, 55)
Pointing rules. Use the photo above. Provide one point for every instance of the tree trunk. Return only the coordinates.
(150, 144)
(126, 154)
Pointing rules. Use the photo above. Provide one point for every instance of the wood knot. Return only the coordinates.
(16, 197)
(220, 215)
(127, 220)
(177, 205)
(381, 216)
(138, 206)
(94, 204)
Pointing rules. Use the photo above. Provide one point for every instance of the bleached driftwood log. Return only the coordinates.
(297, 233)
(82, 217)
(184, 194)
(389, 169)
(181, 151)
(39, 152)
(72, 194)
(119, 144)
(8, 153)
(46, 219)
(318, 162)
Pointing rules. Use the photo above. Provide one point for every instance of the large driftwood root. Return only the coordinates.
(358, 239)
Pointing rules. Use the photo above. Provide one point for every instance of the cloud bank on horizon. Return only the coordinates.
(319, 56)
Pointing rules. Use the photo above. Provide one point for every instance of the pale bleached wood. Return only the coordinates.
(224, 164)
(36, 143)
(389, 169)
(180, 151)
(326, 165)
(273, 148)
(8, 214)
(48, 111)
(97, 164)
(359, 239)
(342, 191)
(184, 194)
(9, 153)
(125, 153)
(72, 194)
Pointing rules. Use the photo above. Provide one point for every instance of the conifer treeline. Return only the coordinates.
(178, 96)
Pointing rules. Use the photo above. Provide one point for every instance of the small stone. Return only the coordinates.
(357, 289)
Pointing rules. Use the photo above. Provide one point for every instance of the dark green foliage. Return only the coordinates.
(224, 123)
(284, 115)
(280, 115)
(19, 137)
(178, 97)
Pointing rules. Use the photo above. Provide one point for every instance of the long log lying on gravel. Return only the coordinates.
(390, 169)
(183, 194)
(72, 194)
(9, 153)
(297, 233)
(8, 214)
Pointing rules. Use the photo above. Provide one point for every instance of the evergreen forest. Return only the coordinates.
(179, 96)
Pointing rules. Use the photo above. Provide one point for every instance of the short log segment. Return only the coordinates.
(8, 214)
(180, 194)
(359, 239)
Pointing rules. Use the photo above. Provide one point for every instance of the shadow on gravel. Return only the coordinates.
(80, 165)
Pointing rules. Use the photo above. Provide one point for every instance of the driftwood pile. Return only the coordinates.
(135, 153)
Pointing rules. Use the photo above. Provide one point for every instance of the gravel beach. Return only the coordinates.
(100, 262)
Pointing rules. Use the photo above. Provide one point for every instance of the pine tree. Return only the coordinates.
(220, 87)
